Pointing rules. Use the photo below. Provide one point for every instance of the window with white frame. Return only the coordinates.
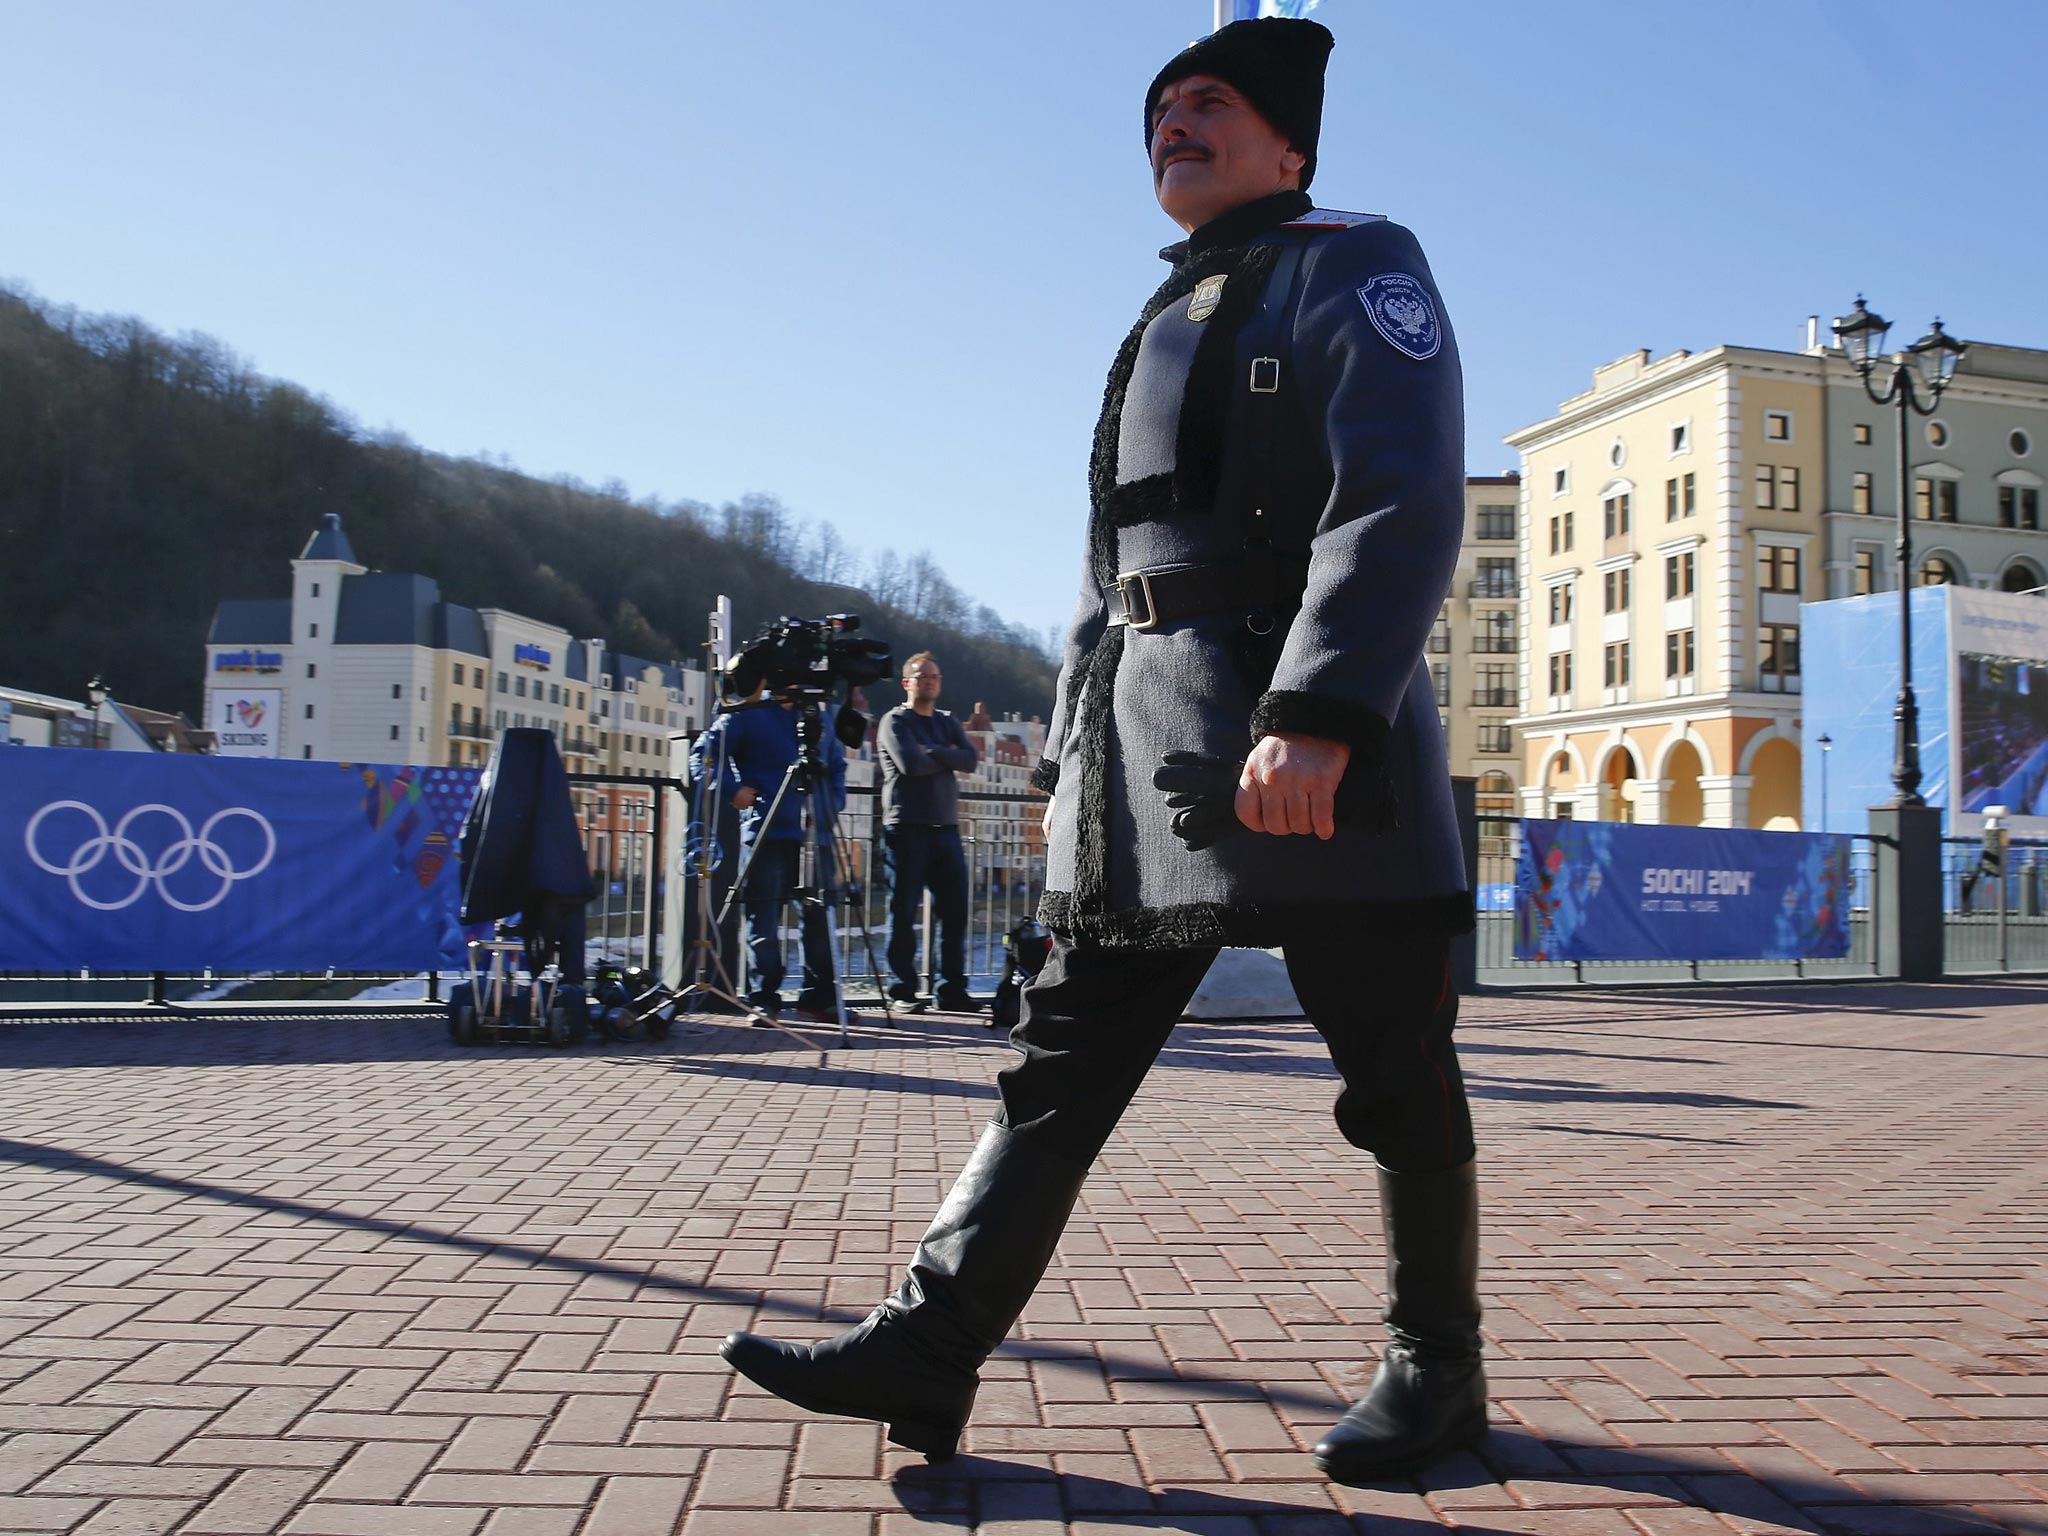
(1678, 575)
(1614, 514)
(1615, 665)
(1614, 591)
(2019, 506)
(1678, 653)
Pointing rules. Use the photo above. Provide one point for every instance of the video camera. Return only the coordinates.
(805, 657)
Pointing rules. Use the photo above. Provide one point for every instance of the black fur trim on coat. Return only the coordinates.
(1045, 778)
(1366, 798)
(1091, 814)
(1320, 714)
(1247, 924)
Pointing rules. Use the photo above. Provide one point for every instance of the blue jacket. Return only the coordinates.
(760, 744)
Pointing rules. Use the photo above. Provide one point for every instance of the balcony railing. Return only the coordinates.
(1493, 645)
(470, 730)
(1494, 587)
(1496, 698)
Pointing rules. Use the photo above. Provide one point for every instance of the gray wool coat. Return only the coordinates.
(1358, 470)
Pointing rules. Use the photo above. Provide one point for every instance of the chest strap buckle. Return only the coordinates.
(1265, 375)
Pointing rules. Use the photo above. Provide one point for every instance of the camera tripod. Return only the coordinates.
(807, 778)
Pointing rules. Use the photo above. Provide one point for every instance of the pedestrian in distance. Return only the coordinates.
(924, 751)
(1244, 751)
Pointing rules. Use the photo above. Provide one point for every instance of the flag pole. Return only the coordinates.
(1222, 15)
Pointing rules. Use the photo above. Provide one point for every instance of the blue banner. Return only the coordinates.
(1605, 890)
(117, 861)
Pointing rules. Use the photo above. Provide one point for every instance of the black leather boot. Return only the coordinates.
(1429, 1397)
(913, 1363)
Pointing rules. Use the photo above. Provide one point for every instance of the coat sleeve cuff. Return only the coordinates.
(1323, 715)
(1366, 799)
(1045, 778)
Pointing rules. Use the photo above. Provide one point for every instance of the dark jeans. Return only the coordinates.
(928, 858)
(1094, 1019)
(771, 883)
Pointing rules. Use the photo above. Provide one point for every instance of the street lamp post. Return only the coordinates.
(1933, 357)
(1827, 745)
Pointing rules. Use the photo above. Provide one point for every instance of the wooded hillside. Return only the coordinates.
(143, 479)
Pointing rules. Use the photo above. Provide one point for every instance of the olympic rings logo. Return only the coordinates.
(133, 858)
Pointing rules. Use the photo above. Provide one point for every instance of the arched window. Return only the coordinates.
(1935, 571)
(2020, 576)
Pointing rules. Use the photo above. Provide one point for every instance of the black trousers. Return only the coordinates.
(921, 859)
(1095, 1019)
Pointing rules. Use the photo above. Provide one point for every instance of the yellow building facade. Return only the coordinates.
(1669, 527)
(1474, 650)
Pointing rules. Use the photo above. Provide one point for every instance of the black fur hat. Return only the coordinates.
(1276, 62)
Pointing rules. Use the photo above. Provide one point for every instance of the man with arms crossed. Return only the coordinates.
(923, 749)
(1277, 502)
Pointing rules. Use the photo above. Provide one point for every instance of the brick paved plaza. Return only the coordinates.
(1757, 1260)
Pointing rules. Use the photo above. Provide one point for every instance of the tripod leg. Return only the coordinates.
(867, 932)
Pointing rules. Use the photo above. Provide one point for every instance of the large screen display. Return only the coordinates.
(2003, 727)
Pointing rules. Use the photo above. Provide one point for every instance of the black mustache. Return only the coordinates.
(1183, 147)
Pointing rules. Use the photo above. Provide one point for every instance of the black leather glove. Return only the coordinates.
(1202, 790)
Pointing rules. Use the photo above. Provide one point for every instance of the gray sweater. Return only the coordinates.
(920, 755)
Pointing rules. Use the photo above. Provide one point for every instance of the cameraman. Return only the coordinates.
(923, 747)
(759, 744)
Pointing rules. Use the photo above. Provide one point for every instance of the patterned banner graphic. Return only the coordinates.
(1604, 890)
(116, 861)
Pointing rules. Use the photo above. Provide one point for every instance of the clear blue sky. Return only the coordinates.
(875, 258)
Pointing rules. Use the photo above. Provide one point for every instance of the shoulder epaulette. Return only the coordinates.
(1329, 218)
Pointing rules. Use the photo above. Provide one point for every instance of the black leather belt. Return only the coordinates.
(1169, 594)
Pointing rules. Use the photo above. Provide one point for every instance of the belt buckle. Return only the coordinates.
(1143, 579)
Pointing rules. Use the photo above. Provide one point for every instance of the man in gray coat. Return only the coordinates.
(1244, 751)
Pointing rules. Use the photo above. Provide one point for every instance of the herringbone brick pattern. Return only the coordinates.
(1757, 1261)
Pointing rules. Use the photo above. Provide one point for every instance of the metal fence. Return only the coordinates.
(1994, 910)
(1500, 851)
(624, 821)
(1005, 853)
(1996, 919)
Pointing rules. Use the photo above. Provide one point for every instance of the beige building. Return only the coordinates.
(1676, 515)
(1474, 651)
(370, 666)
(1669, 525)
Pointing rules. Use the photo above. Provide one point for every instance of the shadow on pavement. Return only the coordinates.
(34, 1155)
(988, 1489)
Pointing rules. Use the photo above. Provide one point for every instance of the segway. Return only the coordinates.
(522, 856)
